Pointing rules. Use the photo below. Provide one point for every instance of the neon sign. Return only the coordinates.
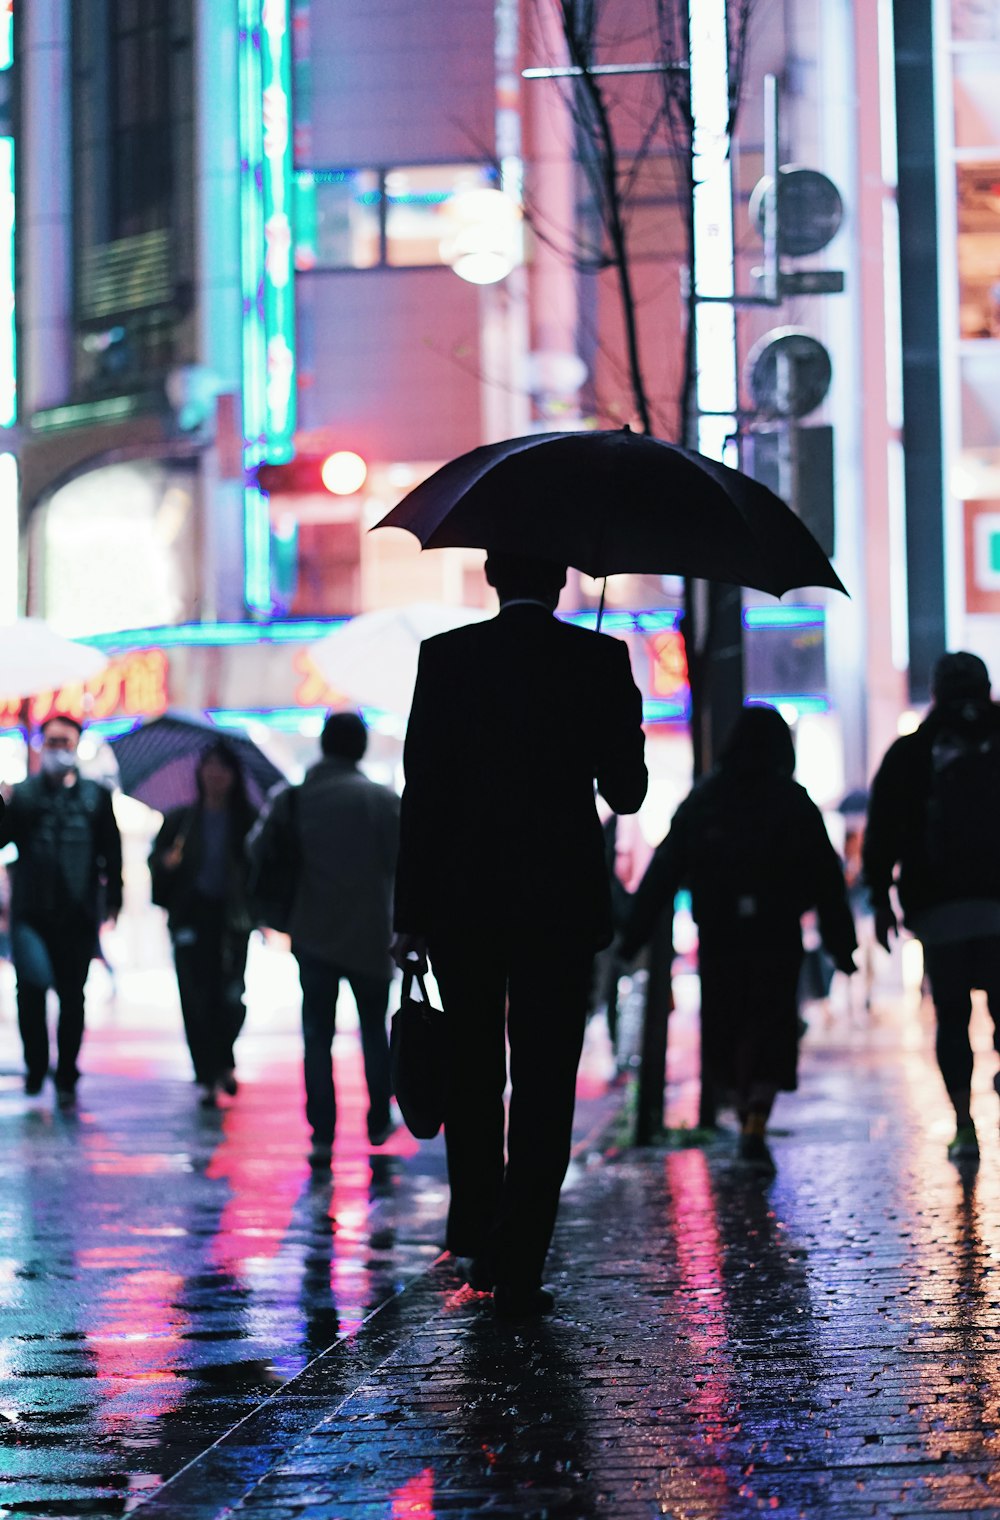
(668, 667)
(8, 332)
(267, 274)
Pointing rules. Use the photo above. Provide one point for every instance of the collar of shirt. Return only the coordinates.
(525, 601)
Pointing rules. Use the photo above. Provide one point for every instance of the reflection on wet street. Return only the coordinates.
(826, 1344)
(190, 1329)
(165, 1268)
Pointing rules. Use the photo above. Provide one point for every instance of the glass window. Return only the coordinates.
(337, 219)
(417, 202)
(359, 218)
(979, 250)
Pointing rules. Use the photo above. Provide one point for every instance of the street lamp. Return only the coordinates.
(484, 242)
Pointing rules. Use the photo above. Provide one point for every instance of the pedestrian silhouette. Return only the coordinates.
(199, 872)
(502, 877)
(67, 878)
(345, 831)
(751, 847)
(934, 828)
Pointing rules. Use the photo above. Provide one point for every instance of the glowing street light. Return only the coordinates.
(485, 241)
(343, 473)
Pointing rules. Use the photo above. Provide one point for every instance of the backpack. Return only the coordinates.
(962, 832)
(275, 855)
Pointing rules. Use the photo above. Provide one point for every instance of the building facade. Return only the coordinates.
(240, 229)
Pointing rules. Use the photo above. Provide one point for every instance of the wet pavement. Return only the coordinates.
(163, 1268)
(194, 1328)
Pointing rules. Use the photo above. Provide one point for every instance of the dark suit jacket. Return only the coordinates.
(512, 722)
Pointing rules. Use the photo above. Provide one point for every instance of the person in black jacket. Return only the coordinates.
(751, 847)
(934, 813)
(502, 877)
(199, 873)
(67, 879)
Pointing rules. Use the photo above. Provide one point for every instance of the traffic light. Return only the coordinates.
(341, 473)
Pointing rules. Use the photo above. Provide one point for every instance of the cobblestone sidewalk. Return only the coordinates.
(825, 1345)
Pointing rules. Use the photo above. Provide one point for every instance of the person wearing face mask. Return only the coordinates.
(67, 877)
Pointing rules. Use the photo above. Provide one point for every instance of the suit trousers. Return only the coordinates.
(59, 956)
(535, 992)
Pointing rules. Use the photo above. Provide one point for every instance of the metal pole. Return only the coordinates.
(772, 153)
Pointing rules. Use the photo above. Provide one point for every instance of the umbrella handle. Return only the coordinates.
(600, 608)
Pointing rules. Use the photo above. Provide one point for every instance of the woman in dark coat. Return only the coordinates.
(751, 847)
(198, 867)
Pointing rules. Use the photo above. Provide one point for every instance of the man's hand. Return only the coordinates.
(409, 951)
(885, 924)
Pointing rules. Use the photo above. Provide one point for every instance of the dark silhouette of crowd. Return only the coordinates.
(496, 871)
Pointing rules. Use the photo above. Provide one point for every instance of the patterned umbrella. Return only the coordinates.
(158, 760)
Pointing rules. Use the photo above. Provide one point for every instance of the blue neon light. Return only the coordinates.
(256, 547)
(658, 710)
(181, 635)
(783, 617)
(805, 704)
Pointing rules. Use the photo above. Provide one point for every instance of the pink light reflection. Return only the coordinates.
(415, 1497)
(699, 1248)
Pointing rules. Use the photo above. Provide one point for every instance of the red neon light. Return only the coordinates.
(668, 670)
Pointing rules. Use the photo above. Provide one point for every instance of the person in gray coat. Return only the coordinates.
(348, 835)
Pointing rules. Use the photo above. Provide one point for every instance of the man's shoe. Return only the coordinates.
(965, 1146)
(209, 1097)
(477, 1273)
(754, 1152)
(228, 1083)
(381, 1135)
(33, 1084)
(521, 1303)
(320, 1157)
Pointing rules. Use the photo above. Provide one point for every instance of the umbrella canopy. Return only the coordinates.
(373, 658)
(612, 503)
(158, 760)
(34, 658)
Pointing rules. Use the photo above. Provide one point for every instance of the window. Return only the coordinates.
(364, 218)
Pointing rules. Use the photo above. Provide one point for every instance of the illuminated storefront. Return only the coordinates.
(967, 83)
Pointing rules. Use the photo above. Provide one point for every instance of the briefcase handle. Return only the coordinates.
(411, 975)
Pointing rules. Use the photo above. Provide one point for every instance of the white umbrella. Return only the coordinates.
(34, 658)
(373, 658)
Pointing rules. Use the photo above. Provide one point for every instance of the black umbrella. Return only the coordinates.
(613, 503)
(158, 761)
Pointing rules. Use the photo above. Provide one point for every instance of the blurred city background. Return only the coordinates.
(264, 266)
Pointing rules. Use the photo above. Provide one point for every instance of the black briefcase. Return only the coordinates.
(417, 1056)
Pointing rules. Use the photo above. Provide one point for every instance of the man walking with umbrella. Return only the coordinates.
(502, 880)
(67, 878)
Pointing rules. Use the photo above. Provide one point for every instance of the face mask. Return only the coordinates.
(58, 762)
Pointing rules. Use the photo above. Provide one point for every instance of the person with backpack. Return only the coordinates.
(323, 863)
(933, 830)
(751, 847)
